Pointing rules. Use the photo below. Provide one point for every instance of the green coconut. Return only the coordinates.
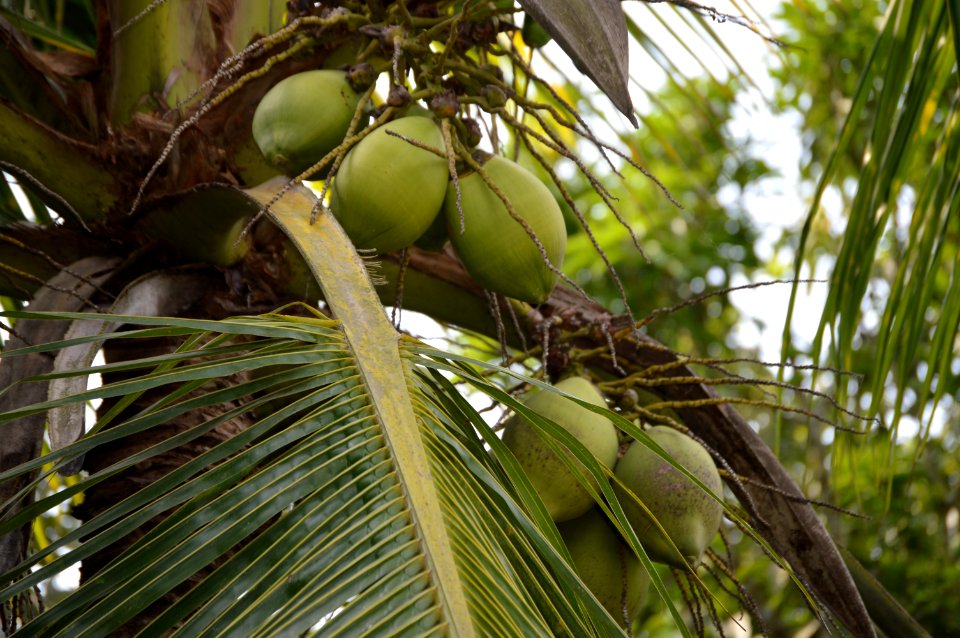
(558, 487)
(304, 117)
(388, 191)
(495, 249)
(534, 35)
(690, 516)
(435, 237)
(605, 564)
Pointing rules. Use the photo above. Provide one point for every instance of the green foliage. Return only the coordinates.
(911, 546)
(67, 25)
(309, 510)
(877, 99)
(897, 130)
(830, 46)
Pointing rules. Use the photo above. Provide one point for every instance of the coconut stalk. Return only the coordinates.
(79, 184)
(156, 58)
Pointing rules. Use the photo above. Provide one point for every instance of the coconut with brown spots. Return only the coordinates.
(689, 515)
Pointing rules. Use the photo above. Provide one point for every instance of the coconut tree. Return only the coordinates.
(261, 463)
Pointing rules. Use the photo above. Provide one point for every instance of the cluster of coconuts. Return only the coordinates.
(389, 193)
(689, 517)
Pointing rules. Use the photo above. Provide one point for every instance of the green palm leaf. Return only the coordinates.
(356, 505)
(320, 510)
(907, 98)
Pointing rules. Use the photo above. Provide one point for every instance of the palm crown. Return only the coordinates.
(259, 466)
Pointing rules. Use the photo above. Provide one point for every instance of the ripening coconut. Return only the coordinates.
(496, 249)
(304, 117)
(606, 565)
(690, 516)
(557, 486)
(388, 192)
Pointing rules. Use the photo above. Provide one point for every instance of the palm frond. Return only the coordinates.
(49, 35)
(905, 206)
(304, 519)
(342, 508)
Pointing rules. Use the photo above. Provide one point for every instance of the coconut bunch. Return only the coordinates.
(409, 169)
(674, 518)
(414, 166)
(395, 185)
